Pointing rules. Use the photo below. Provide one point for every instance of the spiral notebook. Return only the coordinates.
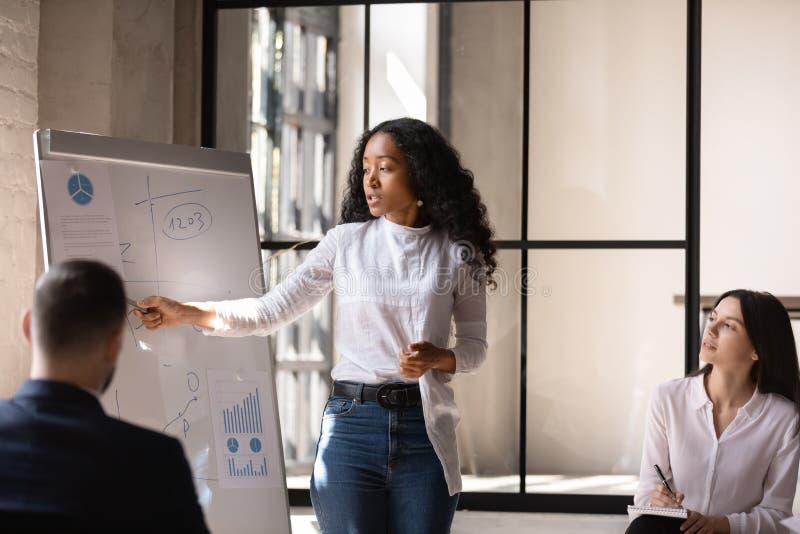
(636, 511)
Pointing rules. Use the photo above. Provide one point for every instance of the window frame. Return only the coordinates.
(521, 501)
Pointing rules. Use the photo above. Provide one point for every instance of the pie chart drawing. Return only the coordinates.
(233, 444)
(80, 189)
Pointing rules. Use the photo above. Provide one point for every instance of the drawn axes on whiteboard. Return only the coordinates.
(150, 199)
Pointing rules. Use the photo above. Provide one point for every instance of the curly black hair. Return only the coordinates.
(450, 199)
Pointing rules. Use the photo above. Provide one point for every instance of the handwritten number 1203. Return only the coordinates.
(196, 217)
(186, 221)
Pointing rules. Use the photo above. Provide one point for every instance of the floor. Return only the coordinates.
(466, 522)
(591, 484)
(303, 522)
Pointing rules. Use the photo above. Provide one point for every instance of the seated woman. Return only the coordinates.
(726, 437)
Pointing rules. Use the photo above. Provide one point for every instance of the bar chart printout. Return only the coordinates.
(244, 450)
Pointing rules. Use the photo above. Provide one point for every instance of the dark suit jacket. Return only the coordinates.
(64, 463)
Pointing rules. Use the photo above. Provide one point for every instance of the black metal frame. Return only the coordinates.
(520, 501)
(523, 301)
(694, 26)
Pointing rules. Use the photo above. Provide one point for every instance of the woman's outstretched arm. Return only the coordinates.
(299, 291)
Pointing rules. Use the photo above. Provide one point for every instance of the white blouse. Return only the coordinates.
(394, 285)
(748, 475)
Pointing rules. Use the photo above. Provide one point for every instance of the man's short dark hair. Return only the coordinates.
(77, 305)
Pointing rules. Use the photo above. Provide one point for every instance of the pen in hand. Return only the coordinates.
(676, 497)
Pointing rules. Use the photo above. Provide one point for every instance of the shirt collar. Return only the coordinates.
(753, 406)
(400, 229)
(699, 398)
(698, 393)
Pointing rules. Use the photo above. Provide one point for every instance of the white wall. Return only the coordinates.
(602, 333)
(402, 66)
(608, 86)
(19, 33)
(750, 138)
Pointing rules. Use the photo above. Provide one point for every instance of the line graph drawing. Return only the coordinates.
(192, 384)
(181, 413)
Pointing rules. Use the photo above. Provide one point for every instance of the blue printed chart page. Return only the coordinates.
(246, 443)
(80, 212)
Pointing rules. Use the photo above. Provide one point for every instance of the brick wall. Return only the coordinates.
(19, 31)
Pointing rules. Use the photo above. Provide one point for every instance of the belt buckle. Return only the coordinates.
(392, 395)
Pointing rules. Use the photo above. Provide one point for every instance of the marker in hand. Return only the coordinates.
(136, 306)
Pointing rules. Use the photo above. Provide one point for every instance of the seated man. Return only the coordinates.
(65, 466)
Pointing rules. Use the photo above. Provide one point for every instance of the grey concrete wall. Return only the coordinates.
(75, 52)
(134, 72)
(188, 69)
(142, 64)
(233, 80)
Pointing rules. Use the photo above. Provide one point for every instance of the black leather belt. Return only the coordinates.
(391, 395)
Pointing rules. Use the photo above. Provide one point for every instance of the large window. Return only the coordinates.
(573, 117)
(288, 92)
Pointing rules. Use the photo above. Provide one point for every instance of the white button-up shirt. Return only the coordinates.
(394, 285)
(748, 475)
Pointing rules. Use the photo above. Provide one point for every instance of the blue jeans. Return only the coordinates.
(376, 472)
